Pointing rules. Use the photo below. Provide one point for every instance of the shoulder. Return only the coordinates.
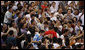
(62, 36)
(7, 12)
(56, 13)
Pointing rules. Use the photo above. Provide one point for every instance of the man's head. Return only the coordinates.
(32, 16)
(42, 32)
(33, 22)
(10, 9)
(74, 19)
(69, 11)
(79, 22)
(51, 28)
(76, 12)
(46, 24)
(66, 31)
(4, 26)
(53, 3)
(83, 11)
(60, 10)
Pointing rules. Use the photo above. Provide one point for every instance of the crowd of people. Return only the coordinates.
(42, 25)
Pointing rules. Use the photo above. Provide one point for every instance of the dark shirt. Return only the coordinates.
(11, 40)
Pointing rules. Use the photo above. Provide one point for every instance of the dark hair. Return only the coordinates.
(76, 18)
(50, 46)
(45, 9)
(46, 22)
(9, 7)
(32, 2)
(32, 21)
(32, 15)
(11, 32)
(70, 10)
(18, 13)
(79, 46)
(59, 9)
(80, 21)
(66, 30)
(51, 27)
(53, 2)
(41, 31)
(48, 18)
(58, 40)
(43, 39)
(70, 22)
(77, 10)
(54, 40)
(28, 38)
(74, 46)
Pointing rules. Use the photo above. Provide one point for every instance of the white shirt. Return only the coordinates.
(7, 15)
(82, 18)
(50, 2)
(77, 16)
(55, 45)
(53, 9)
(22, 43)
(53, 18)
(21, 2)
(57, 35)
(69, 2)
(57, 3)
(56, 13)
(77, 29)
(40, 16)
(27, 15)
(40, 26)
(63, 41)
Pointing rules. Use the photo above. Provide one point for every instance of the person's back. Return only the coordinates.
(10, 38)
(7, 15)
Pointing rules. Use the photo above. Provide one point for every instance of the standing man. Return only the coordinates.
(8, 16)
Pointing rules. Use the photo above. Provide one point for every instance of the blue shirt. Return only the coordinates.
(37, 38)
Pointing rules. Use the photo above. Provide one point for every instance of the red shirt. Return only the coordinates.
(43, 6)
(51, 32)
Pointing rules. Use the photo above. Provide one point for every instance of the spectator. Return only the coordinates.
(8, 16)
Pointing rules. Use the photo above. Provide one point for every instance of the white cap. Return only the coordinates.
(52, 11)
(28, 32)
(28, 16)
(69, 2)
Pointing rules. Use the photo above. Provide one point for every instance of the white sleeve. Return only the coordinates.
(62, 37)
(22, 43)
(8, 15)
(57, 35)
(69, 2)
(81, 28)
